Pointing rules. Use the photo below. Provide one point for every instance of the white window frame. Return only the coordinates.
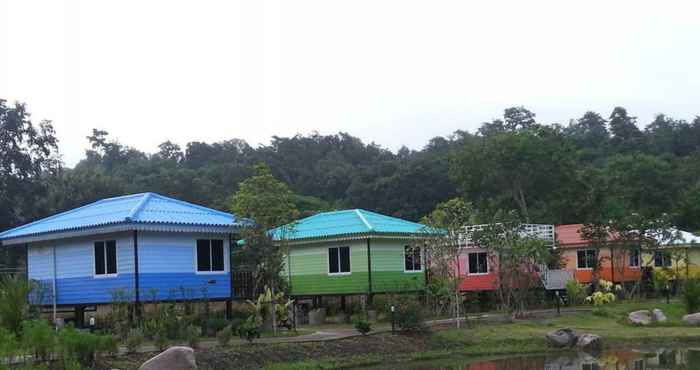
(664, 255)
(469, 271)
(211, 258)
(638, 251)
(328, 258)
(595, 254)
(116, 259)
(420, 252)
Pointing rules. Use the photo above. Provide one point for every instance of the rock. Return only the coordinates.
(173, 358)
(659, 315)
(642, 317)
(692, 319)
(562, 338)
(590, 342)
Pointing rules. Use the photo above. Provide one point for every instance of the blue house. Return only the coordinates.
(148, 245)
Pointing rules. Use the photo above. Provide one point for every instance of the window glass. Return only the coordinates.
(111, 252)
(217, 255)
(634, 258)
(344, 259)
(586, 258)
(412, 258)
(333, 262)
(203, 255)
(478, 263)
(339, 260)
(99, 258)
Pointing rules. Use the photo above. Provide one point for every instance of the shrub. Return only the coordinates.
(250, 329)
(362, 326)
(38, 338)
(409, 314)
(603, 295)
(214, 325)
(192, 334)
(14, 307)
(691, 295)
(575, 291)
(134, 340)
(161, 341)
(82, 346)
(224, 336)
(8, 345)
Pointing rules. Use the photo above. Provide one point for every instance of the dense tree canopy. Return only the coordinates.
(598, 164)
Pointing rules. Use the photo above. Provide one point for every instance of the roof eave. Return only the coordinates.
(354, 236)
(121, 227)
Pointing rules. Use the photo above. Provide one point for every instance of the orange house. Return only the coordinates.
(618, 265)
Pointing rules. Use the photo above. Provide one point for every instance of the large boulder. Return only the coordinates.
(173, 358)
(642, 317)
(562, 338)
(590, 342)
(659, 315)
(692, 319)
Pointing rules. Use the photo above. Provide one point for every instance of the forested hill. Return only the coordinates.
(596, 165)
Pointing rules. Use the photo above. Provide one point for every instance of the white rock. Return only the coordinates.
(590, 342)
(642, 317)
(562, 338)
(173, 358)
(659, 315)
(692, 319)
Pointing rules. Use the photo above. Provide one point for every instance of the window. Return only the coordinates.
(634, 258)
(590, 367)
(478, 263)
(412, 259)
(210, 255)
(106, 258)
(662, 259)
(339, 260)
(586, 258)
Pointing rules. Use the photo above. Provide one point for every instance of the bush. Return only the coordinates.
(575, 291)
(224, 336)
(134, 339)
(409, 314)
(161, 341)
(82, 347)
(362, 326)
(39, 338)
(691, 295)
(192, 334)
(249, 329)
(14, 307)
(8, 345)
(215, 325)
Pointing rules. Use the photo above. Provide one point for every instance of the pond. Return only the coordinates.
(670, 359)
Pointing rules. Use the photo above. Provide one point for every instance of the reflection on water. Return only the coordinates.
(661, 359)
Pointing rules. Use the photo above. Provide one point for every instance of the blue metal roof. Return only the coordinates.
(144, 208)
(346, 223)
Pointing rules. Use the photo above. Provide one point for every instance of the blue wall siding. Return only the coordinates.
(166, 266)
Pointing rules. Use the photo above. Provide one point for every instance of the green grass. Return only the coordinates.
(528, 337)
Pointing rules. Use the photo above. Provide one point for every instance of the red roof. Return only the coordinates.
(570, 235)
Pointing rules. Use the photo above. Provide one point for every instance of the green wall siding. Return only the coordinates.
(309, 269)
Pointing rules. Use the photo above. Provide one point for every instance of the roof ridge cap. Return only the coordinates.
(135, 211)
(362, 217)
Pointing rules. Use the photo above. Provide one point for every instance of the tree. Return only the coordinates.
(28, 153)
(264, 199)
(522, 169)
(626, 135)
(518, 255)
(444, 239)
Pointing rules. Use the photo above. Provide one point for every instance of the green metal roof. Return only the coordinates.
(345, 223)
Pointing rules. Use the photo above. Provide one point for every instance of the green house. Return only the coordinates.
(352, 252)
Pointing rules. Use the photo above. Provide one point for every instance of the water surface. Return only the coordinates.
(657, 359)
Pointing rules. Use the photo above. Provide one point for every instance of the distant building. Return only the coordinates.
(146, 245)
(353, 252)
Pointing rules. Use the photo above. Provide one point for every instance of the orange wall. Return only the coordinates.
(622, 272)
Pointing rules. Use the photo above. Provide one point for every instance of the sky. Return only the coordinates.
(391, 72)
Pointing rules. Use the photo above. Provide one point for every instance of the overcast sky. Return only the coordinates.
(393, 72)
